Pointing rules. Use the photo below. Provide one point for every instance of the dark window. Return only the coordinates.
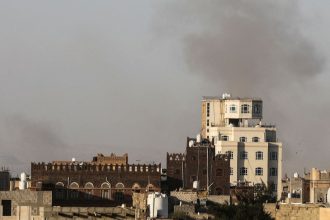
(245, 108)
(273, 155)
(259, 171)
(177, 171)
(255, 139)
(6, 207)
(272, 171)
(243, 171)
(244, 155)
(259, 155)
(242, 139)
(193, 178)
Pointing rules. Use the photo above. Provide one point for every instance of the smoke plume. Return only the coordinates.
(257, 48)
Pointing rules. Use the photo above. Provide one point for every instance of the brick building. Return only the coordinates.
(81, 182)
(199, 163)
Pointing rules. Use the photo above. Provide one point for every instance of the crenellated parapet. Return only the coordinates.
(176, 157)
(89, 167)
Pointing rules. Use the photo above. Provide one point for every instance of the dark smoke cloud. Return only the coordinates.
(247, 45)
(24, 140)
(257, 48)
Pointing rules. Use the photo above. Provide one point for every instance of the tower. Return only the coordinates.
(235, 126)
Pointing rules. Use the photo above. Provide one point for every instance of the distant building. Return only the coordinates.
(312, 188)
(235, 127)
(199, 163)
(81, 182)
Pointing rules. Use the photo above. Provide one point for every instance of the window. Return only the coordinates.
(255, 139)
(230, 154)
(232, 108)
(231, 171)
(207, 122)
(208, 110)
(272, 171)
(242, 139)
(105, 190)
(207, 130)
(257, 109)
(219, 172)
(244, 155)
(245, 108)
(204, 172)
(259, 155)
(224, 138)
(259, 171)
(243, 171)
(177, 171)
(273, 155)
(193, 158)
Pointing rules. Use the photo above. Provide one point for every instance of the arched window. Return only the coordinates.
(89, 190)
(105, 190)
(59, 190)
(74, 185)
(259, 155)
(74, 193)
(255, 139)
(119, 194)
(59, 185)
(245, 108)
(242, 139)
(232, 108)
(243, 171)
(259, 171)
(150, 188)
(136, 187)
(244, 155)
(230, 154)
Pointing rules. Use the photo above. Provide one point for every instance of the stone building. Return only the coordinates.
(199, 163)
(235, 126)
(80, 182)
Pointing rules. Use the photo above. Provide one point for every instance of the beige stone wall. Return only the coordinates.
(298, 212)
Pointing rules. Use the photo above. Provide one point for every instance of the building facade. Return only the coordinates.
(199, 163)
(235, 127)
(80, 182)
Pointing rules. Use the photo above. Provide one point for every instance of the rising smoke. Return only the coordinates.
(257, 48)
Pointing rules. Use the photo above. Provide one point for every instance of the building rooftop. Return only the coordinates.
(231, 98)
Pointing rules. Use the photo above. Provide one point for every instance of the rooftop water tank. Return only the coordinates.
(158, 205)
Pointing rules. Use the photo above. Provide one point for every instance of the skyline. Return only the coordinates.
(102, 77)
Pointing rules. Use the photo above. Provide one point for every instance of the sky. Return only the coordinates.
(88, 77)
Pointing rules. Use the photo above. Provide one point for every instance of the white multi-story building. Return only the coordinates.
(235, 126)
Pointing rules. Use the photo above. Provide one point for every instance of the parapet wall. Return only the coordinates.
(111, 168)
(297, 211)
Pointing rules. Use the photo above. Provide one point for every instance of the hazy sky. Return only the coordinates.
(87, 77)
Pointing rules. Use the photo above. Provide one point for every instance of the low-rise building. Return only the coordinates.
(82, 182)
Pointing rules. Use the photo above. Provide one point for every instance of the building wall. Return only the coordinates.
(77, 184)
(200, 163)
(225, 128)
